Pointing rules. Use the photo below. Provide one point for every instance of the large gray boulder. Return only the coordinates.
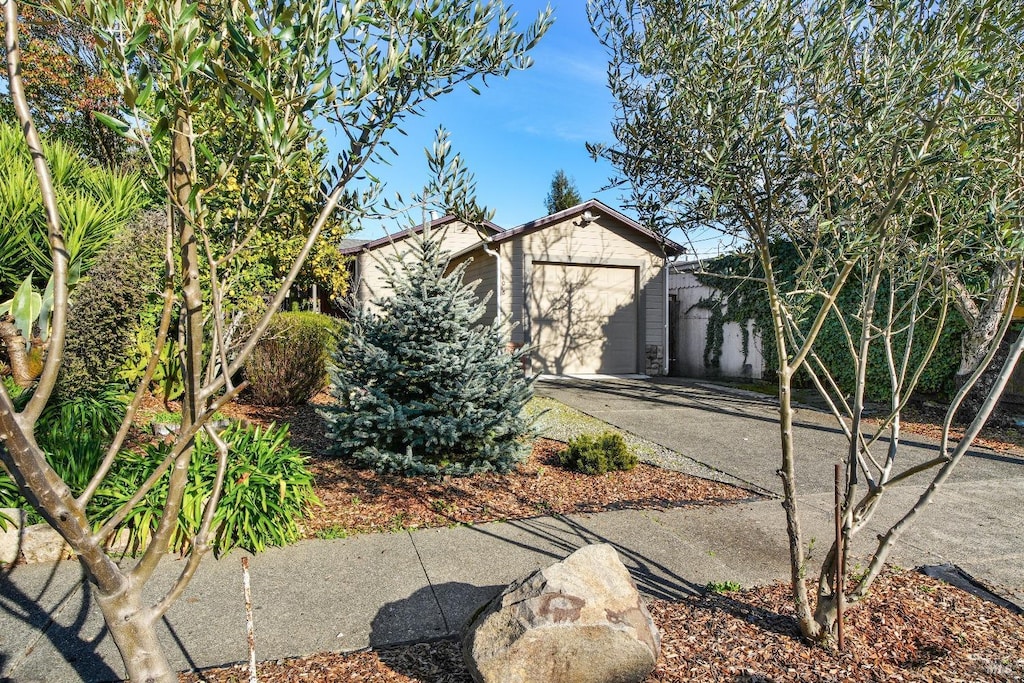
(578, 621)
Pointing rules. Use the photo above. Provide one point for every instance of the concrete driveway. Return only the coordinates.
(975, 522)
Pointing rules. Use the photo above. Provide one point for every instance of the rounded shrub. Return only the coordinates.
(598, 454)
(289, 365)
(107, 307)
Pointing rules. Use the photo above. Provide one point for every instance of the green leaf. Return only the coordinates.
(147, 90)
(116, 125)
(253, 27)
(45, 310)
(25, 307)
(74, 273)
(195, 58)
(138, 39)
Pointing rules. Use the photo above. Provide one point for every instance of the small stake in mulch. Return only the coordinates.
(840, 570)
(250, 627)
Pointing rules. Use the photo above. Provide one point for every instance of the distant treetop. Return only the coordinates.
(563, 194)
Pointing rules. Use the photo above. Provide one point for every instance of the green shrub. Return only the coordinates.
(10, 497)
(598, 454)
(938, 377)
(74, 434)
(168, 381)
(422, 387)
(741, 296)
(19, 395)
(723, 587)
(267, 490)
(289, 365)
(106, 308)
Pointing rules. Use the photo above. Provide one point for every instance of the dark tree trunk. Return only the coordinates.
(976, 397)
(17, 354)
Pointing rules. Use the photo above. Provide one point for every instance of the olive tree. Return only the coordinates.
(883, 143)
(274, 69)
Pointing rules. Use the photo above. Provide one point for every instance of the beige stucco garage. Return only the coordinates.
(585, 288)
(583, 318)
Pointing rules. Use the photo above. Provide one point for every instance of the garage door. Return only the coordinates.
(583, 319)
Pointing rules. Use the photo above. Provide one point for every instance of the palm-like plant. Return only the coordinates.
(94, 203)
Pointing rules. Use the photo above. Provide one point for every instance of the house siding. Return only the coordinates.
(369, 272)
(603, 242)
(600, 279)
(480, 266)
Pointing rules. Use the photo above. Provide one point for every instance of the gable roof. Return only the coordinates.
(348, 243)
(594, 206)
(350, 247)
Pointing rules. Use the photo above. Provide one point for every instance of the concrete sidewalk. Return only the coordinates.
(385, 589)
(378, 590)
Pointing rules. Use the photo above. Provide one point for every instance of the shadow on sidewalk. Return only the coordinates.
(395, 622)
(77, 648)
(652, 578)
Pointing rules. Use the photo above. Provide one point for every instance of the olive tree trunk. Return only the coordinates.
(17, 354)
(133, 630)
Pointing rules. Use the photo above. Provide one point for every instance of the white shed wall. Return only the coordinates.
(692, 333)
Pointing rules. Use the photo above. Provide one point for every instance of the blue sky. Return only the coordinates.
(520, 130)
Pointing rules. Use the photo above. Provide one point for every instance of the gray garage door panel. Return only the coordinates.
(583, 319)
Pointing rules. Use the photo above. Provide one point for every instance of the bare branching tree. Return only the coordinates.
(883, 142)
(274, 69)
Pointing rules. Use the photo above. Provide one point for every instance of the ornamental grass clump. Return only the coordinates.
(590, 454)
(268, 489)
(421, 386)
(74, 433)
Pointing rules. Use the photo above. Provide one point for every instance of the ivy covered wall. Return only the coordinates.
(738, 301)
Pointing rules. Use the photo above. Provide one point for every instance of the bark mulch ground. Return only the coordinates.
(359, 500)
(1006, 440)
(910, 628)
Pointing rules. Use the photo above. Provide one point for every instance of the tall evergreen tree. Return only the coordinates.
(421, 386)
(563, 194)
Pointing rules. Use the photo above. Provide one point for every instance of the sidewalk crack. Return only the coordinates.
(430, 583)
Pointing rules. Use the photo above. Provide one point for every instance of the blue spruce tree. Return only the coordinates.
(421, 386)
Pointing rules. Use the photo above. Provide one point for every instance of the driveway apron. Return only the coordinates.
(975, 521)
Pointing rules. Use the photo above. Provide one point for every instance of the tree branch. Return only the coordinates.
(58, 251)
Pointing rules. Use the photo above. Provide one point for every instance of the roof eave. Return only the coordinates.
(391, 239)
(668, 246)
